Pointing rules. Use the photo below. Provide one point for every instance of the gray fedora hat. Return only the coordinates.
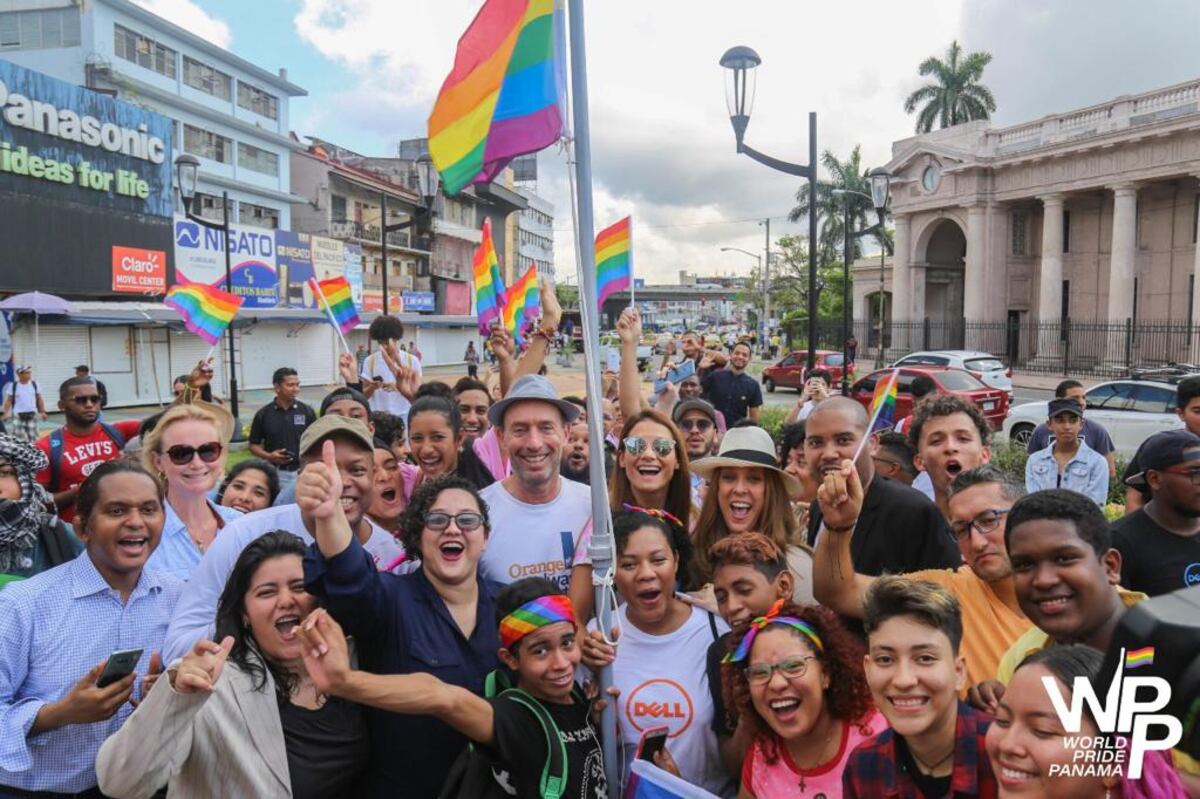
(532, 387)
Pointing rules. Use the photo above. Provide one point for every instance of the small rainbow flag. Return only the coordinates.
(489, 285)
(614, 259)
(334, 297)
(1139, 657)
(883, 403)
(505, 95)
(522, 304)
(206, 310)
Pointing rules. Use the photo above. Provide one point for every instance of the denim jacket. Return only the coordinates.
(1086, 473)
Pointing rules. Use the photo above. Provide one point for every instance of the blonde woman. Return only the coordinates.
(187, 450)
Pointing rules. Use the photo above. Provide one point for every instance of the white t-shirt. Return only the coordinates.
(389, 400)
(536, 540)
(663, 682)
(24, 396)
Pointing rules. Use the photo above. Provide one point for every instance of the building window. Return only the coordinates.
(1019, 222)
(255, 99)
(209, 80)
(263, 161)
(337, 208)
(207, 144)
(209, 206)
(1066, 231)
(257, 215)
(143, 51)
(38, 30)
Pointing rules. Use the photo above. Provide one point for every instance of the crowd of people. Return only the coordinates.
(395, 595)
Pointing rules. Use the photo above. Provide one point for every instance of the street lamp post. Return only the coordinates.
(427, 183)
(186, 169)
(739, 98)
(881, 189)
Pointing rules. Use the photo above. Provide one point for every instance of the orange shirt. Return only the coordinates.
(989, 626)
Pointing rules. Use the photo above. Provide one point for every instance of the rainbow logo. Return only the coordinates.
(1134, 658)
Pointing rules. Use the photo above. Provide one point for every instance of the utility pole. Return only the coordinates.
(767, 277)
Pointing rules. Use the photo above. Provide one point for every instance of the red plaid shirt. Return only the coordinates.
(874, 770)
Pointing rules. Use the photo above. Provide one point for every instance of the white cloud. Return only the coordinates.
(191, 17)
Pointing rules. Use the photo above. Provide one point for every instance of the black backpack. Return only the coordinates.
(475, 775)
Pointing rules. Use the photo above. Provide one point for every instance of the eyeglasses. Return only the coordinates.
(182, 454)
(636, 445)
(702, 425)
(466, 521)
(985, 523)
(790, 668)
(90, 399)
(1192, 474)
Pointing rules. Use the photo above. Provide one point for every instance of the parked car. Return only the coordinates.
(789, 371)
(959, 382)
(987, 367)
(1131, 410)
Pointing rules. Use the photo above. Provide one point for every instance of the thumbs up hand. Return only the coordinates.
(319, 486)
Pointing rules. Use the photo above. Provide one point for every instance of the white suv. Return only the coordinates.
(985, 366)
(1130, 410)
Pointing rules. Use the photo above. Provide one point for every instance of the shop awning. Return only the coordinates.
(155, 313)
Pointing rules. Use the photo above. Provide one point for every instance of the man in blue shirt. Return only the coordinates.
(1068, 462)
(58, 628)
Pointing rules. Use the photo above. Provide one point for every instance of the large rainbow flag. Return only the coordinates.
(489, 284)
(504, 96)
(522, 304)
(335, 299)
(206, 310)
(614, 259)
(883, 402)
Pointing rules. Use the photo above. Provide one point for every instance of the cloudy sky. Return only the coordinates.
(663, 148)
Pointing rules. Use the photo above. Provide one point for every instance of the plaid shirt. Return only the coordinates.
(873, 769)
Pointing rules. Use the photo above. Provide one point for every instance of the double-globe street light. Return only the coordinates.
(186, 169)
(427, 184)
(739, 99)
(880, 188)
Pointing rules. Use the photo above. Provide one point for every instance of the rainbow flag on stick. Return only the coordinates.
(504, 96)
(522, 304)
(489, 285)
(614, 260)
(206, 310)
(335, 300)
(1139, 657)
(883, 402)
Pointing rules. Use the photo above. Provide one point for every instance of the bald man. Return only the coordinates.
(899, 529)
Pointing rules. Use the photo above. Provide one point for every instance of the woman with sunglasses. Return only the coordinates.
(436, 619)
(186, 449)
(796, 680)
(652, 468)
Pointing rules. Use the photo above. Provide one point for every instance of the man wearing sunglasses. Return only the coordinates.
(979, 503)
(79, 446)
(697, 420)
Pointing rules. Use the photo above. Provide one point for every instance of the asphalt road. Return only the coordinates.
(786, 397)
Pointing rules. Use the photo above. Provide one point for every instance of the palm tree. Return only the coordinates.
(831, 208)
(956, 95)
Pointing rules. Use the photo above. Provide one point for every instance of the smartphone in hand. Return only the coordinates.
(653, 740)
(120, 665)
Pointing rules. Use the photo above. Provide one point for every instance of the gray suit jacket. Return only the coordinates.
(225, 744)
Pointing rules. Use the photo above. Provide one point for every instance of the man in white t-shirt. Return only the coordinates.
(390, 375)
(23, 403)
(541, 523)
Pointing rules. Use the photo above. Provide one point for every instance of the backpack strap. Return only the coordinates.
(113, 433)
(712, 625)
(56, 452)
(553, 782)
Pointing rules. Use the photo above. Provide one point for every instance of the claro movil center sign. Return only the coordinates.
(62, 141)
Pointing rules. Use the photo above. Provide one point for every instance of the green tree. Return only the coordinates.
(849, 176)
(789, 282)
(956, 94)
(568, 296)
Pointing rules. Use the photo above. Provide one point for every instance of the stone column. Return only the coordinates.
(1050, 277)
(1121, 267)
(1194, 344)
(902, 283)
(975, 266)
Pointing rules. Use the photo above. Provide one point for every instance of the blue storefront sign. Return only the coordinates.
(293, 257)
(415, 301)
(63, 142)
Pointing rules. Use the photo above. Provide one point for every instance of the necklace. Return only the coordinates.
(929, 768)
(820, 758)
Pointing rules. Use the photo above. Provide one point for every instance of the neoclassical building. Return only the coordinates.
(1085, 215)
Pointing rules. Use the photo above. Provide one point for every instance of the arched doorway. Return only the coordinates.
(945, 257)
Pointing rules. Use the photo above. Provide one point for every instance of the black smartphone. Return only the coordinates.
(652, 742)
(377, 379)
(119, 666)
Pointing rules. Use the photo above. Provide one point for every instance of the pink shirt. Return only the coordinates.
(487, 447)
(781, 779)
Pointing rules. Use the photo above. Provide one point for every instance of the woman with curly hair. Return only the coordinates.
(796, 679)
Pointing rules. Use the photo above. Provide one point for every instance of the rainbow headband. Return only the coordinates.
(772, 617)
(535, 613)
(655, 512)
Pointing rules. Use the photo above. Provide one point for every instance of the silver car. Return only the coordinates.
(985, 366)
(1130, 410)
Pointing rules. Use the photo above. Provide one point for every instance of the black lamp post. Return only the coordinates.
(427, 183)
(881, 190)
(739, 98)
(186, 168)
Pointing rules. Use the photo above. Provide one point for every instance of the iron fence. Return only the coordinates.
(1070, 348)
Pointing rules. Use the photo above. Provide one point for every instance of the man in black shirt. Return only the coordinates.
(733, 392)
(277, 426)
(1187, 408)
(899, 529)
(1160, 542)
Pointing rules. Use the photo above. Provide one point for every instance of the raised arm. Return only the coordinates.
(629, 328)
(503, 348)
(530, 362)
(835, 583)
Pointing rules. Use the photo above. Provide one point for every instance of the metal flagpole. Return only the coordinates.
(601, 547)
(632, 285)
